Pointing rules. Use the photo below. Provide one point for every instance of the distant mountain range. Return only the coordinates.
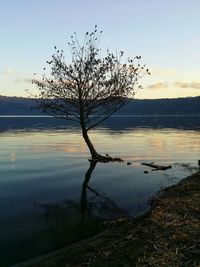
(174, 106)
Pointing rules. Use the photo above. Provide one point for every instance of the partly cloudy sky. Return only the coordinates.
(164, 33)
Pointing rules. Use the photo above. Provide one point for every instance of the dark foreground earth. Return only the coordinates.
(167, 235)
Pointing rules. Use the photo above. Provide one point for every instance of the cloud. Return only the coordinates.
(18, 80)
(179, 84)
(158, 86)
(9, 71)
(196, 42)
(193, 85)
(27, 80)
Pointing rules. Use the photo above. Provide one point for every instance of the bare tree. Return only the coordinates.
(92, 87)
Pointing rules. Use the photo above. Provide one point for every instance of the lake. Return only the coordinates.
(50, 194)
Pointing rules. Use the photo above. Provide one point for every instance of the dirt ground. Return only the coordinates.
(167, 235)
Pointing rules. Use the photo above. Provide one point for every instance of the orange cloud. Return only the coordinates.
(193, 85)
(158, 86)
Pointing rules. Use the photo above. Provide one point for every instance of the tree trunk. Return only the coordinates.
(93, 152)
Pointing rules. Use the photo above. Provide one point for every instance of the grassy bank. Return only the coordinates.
(168, 235)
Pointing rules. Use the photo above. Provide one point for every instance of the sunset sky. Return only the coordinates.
(165, 33)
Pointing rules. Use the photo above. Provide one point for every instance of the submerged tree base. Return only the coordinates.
(105, 159)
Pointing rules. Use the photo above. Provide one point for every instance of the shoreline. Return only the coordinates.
(167, 234)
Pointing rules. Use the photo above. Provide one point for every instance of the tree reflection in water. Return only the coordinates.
(99, 205)
(70, 221)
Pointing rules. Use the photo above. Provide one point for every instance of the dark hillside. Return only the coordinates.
(190, 105)
(175, 106)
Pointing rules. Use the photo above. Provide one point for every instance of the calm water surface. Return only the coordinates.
(50, 196)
